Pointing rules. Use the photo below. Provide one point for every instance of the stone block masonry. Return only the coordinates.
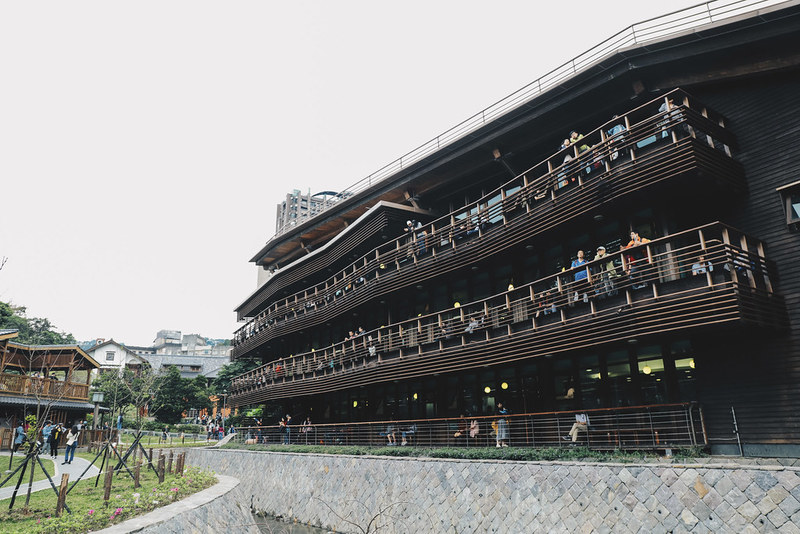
(459, 496)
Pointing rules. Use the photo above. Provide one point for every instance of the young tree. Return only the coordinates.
(177, 395)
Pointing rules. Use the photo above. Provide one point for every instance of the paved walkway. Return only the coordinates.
(74, 469)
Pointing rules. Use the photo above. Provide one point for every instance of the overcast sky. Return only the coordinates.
(144, 146)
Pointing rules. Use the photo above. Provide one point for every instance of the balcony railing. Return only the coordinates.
(619, 159)
(43, 388)
(701, 278)
(637, 427)
(668, 25)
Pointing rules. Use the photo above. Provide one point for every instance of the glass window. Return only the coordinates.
(468, 394)
(488, 391)
(651, 375)
(532, 395)
(564, 385)
(684, 371)
(620, 385)
(589, 378)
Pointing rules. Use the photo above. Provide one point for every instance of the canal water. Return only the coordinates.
(270, 525)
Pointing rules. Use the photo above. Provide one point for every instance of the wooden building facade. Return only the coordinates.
(688, 140)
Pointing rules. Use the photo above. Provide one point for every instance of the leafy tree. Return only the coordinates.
(34, 330)
(177, 395)
(228, 372)
(114, 388)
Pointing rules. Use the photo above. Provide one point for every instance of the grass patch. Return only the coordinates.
(88, 509)
(476, 453)
(16, 462)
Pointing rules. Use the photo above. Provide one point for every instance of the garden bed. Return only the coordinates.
(89, 512)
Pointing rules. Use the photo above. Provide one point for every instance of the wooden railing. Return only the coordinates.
(679, 22)
(705, 277)
(45, 388)
(668, 148)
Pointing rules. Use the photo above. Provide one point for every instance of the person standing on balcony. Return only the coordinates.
(615, 138)
(581, 277)
(606, 271)
(563, 179)
(501, 437)
(634, 263)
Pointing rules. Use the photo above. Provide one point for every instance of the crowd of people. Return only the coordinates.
(600, 276)
(416, 240)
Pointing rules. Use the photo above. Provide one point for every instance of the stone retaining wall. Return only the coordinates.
(457, 496)
(218, 509)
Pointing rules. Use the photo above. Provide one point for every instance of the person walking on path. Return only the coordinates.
(72, 444)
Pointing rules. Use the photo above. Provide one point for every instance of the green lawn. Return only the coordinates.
(18, 459)
(88, 509)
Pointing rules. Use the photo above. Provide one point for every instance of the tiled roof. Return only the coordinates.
(65, 404)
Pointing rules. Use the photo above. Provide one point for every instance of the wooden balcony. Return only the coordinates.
(42, 388)
(656, 289)
(656, 155)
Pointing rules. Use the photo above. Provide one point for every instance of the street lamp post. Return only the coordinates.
(97, 398)
(224, 398)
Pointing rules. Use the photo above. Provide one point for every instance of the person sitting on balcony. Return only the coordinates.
(472, 326)
(407, 433)
(701, 266)
(634, 264)
(463, 427)
(389, 433)
(581, 424)
(474, 428)
(581, 276)
(546, 304)
(606, 272)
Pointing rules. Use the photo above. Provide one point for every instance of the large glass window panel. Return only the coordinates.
(589, 378)
(532, 395)
(564, 385)
(651, 375)
(620, 382)
(468, 387)
(685, 370)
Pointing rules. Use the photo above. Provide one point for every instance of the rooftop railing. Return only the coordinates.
(655, 427)
(671, 24)
(703, 277)
(636, 150)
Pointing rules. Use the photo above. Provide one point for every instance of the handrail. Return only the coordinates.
(660, 27)
(656, 426)
(44, 387)
(550, 175)
(660, 261)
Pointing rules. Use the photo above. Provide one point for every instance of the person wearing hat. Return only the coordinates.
(606, 271)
